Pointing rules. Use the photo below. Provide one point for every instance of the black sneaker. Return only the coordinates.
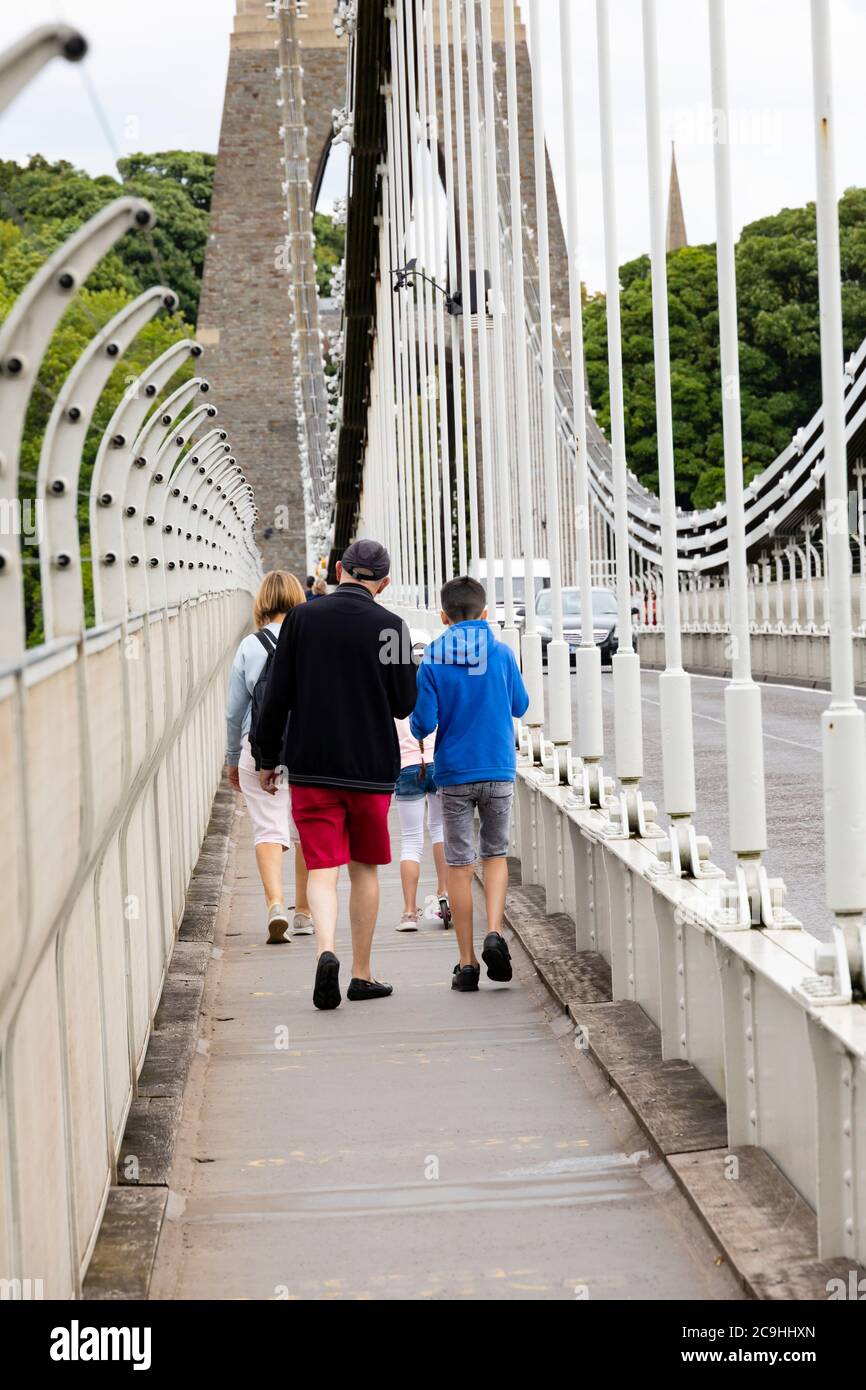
(368, 989)
(326, 991)
(465, 978)
(497, 957)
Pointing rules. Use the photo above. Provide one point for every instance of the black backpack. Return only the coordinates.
(269, 642)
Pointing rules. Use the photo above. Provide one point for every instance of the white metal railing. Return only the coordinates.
(769, 1015)
(111, 730)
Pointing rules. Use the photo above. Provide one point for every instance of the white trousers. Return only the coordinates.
(270, 815)
(411, 813)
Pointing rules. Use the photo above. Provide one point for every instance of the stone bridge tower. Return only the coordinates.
(244, 310)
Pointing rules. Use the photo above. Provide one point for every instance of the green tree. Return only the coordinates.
(330, 244)
(50, 200)
(41, 205)
(777, 282)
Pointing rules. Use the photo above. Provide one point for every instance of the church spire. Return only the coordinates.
(676, 231)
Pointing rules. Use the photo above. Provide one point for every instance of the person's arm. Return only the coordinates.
(401, 677)
(237, 704)
(278, 700)
(519, 693)
(425, 716)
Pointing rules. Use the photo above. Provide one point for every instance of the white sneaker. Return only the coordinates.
(302, 924)
(409, 921)
(278, 923)
(432, 911)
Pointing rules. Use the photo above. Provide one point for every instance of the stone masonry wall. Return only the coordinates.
(244, 310)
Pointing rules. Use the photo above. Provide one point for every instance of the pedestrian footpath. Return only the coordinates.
(433, 1145)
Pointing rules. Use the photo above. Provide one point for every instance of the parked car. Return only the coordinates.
(604, 616)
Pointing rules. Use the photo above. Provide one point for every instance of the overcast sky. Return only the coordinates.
(159, 71)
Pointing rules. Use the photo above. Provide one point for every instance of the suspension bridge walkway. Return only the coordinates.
(668, 1103)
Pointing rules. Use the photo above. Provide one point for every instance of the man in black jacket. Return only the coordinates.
(341, 674)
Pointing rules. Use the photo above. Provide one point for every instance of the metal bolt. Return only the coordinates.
(74, 48)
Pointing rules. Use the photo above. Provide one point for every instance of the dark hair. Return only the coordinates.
(311, 579)
(463, 599)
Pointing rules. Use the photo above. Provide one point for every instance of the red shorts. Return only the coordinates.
(336, 824)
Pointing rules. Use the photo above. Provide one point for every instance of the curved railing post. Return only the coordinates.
(151, 438)
(190, 481)
(167, 484)
(24, 338)
(20, 63)
(114, 460)
(141, 560)
(214, 463)
(60, 461)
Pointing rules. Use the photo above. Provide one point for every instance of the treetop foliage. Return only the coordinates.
(780, 368)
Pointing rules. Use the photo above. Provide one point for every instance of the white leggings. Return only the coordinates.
(411, 813)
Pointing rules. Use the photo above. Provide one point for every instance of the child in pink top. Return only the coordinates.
(416, 791)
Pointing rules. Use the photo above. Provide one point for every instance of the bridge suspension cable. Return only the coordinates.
(699, 949)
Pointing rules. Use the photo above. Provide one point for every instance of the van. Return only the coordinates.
(496, 602)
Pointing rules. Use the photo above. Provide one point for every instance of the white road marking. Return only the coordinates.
(809, 747)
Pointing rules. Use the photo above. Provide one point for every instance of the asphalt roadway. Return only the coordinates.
(792, 764)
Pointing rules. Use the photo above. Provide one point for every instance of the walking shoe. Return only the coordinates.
(497, 957)
(326, 991)
(465, 978)
(432, 911)
(302, 925)
(368, 989)
(278, 925)
(409, 921)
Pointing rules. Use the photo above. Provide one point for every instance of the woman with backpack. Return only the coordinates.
(278, 593)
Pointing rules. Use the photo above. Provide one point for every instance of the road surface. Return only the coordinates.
(792, 762)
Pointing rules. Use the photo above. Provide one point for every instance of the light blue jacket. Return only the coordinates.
(247, 666)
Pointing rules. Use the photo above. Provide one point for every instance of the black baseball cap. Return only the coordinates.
(367, 560)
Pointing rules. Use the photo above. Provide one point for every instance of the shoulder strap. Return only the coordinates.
(267, 639)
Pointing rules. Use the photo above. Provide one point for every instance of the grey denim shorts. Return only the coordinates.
(494, 801)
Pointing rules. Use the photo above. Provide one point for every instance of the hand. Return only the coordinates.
(269, 779)
(234, 778)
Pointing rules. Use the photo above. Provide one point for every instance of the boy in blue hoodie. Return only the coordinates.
(470, 690)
